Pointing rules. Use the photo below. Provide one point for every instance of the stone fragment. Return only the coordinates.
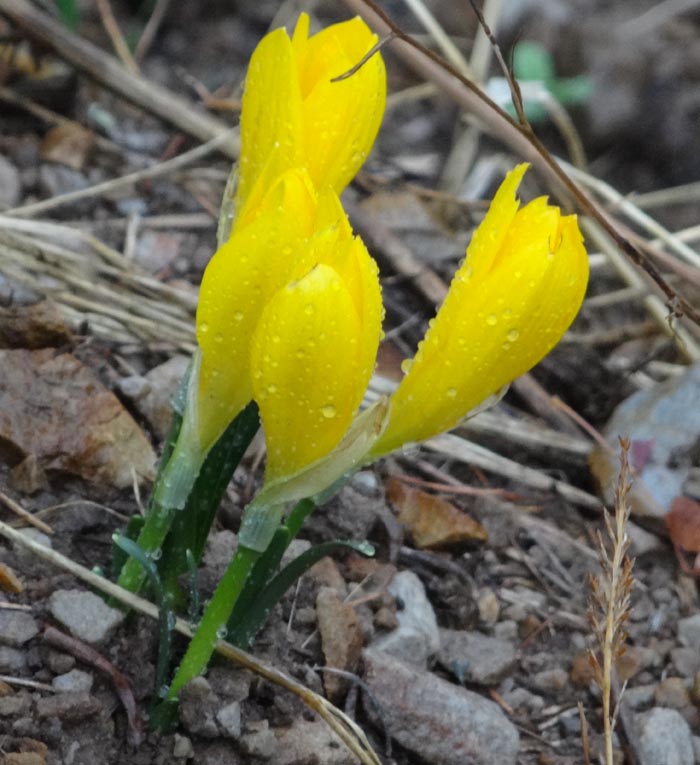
(489, 608)
(198, 708)
(68, 707)
(10, 184)
(182, 748)
(24, 758)
(156, 404)
(12, 660)
(229, 720)
(672, 693)
(85, 615)
(476, 658)
(310, 742)
(258, 740)
(17, 627)
(689, 632)
(341, 639)
(441, 723)
(16, 705)
(686, 661)
(326, 574)
(665, 738)
(417, 637)
(552, 680)
(75, 680)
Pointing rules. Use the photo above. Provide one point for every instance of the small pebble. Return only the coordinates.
(17, 627)
(85, 615)
(75, 680)
(672, 693)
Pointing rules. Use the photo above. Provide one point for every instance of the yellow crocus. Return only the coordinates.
(314, 347)
(294, 115)
(518, 290)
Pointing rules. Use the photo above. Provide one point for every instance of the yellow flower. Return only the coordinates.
(293, 115)
(314, 347)
(517, 292)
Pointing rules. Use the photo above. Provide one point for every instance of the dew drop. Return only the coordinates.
(222, 632)
(452, 392)
(272, 388)
(406, 365)
(309, 309)
(328, 411)
(218, 337)
(513, 335)
(492, 320)
(238, 315)
(204, 327)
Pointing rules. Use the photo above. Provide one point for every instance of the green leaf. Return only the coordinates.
(532, 61)
(243, 630)
(190, 527)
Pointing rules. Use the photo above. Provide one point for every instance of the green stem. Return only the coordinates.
(173, 485)
(215, 616)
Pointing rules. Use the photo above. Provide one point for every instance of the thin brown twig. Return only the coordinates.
(345, 728)
(111, 26)
(151, 29)
(25, 515)
(520, 136)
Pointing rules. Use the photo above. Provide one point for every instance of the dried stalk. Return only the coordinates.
(346, 729)
(609, 602)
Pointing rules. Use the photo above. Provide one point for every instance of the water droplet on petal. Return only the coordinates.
(406, 365)
(492, 320)
(204, 327)
(272, 388)
(238, 315)
(328, 411)
(513, 335)
(452, 392)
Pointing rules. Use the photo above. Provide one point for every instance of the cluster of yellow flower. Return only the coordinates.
(290, 307)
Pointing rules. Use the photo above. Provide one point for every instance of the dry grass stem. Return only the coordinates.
(346, 729)
(609, 602)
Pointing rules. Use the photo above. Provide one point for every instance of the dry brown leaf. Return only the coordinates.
(54, 408)
(67, 144)
(434, 523)
(9, 581)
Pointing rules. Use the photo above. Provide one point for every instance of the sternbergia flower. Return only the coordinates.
(518, 290)
(295, 115)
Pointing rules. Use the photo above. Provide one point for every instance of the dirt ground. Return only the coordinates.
(466, 638)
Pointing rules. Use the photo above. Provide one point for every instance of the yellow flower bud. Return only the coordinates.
(518, 290)
(293, 115)
(314, 348)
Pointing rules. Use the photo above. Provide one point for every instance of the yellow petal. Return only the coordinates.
(305, 361)
(271, 122)
(241, 277)
(341, 119)
(500, 317)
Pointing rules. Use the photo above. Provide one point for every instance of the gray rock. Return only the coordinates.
(307, 742)
(68, 707)
(134, 387)
(75, 680)
(689, 632)
(10, 184)
(198, 708)
(85, 615)
(665, 421)
(27, 559)
(506, 630)
(665, 738)
(440, 722)
(182, 748)
(696, 748)
(640, 696)
(522, 699)
(15, 705)
(11, 660)
(17, 627)
(417, 637)
(474, 657)
(258, 740)
(229, 719)
(155, 404)
(59, 663)
(550, 680)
